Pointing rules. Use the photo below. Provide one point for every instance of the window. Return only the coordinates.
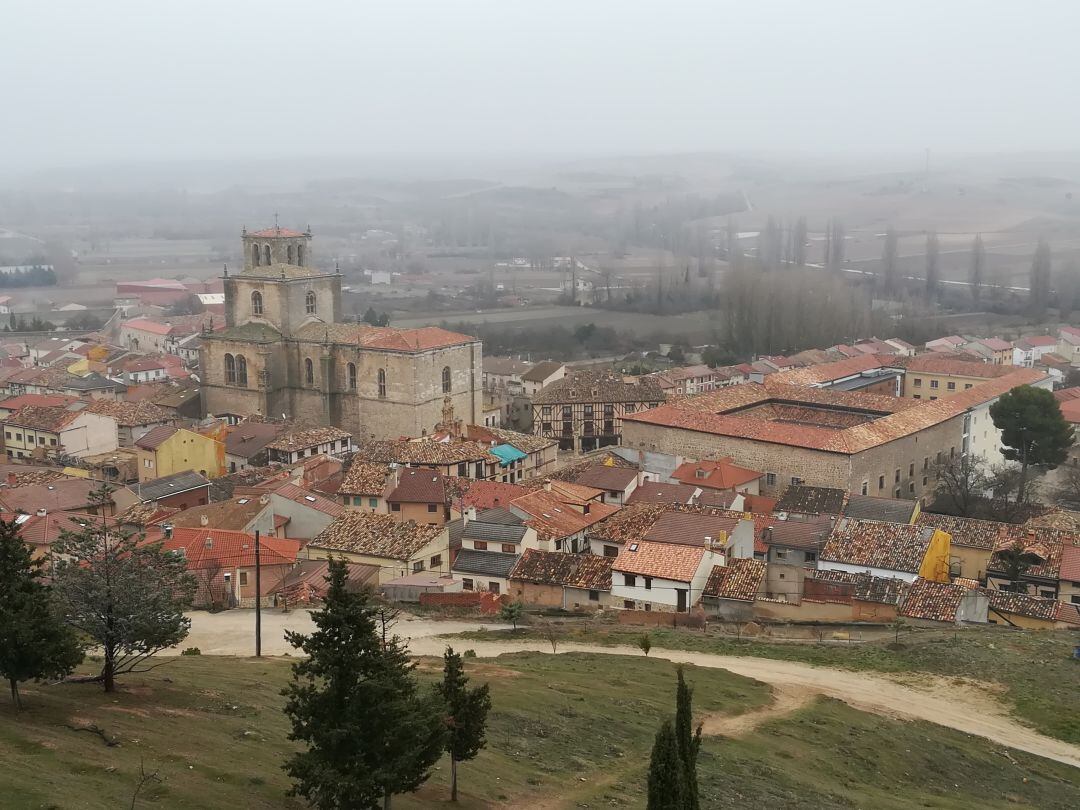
(509, 548)
(256, 303)
(7, 434)
(770, 479)
(300, 255)
(433, 507)
(865, 487)
(917, 382)
(148, 463)
(1075, 598)
(309, 371)
(255, 259)
(629, 580)
(648, 583)
(230, 370)
(52, 442)
(628, 604)
(795, 481)
(896, 477)
(810, 556)
(926, 462)
(911, 470)
(480, 545)
(446, 379)
(594, 596)
(932, 398)
(266, 255)
(381, 377)
(911, 486)
(629, 407)
(41, 439)
(493, 587)
(395, 507)
(373, 502)
(781, 554)
(611, 551)
(418, 566)
(967, 386)
(243, 577)
(951, 386)
(881, 482)
(435, 561)
(917, 396)
(309, 303)
(933, 383)
(241, 370)
(289, 254)
(466, 584)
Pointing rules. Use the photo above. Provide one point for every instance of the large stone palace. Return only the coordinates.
(285, 351)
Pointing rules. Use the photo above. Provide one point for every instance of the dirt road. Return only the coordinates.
(959, 706)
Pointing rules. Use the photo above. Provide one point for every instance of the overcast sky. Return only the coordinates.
(84, 82)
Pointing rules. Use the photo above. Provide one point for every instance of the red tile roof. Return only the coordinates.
(146, 325)
(419, 486)
(37, 400)
(720, 474)
(1021, 604)
(934, 601)
(1070, 563)
(312, 500)
(483, 494)
(661, 560)
(740, 579)
(585, 571)
(155, 437)
(928, 364)
(655, 492)
(219, 548)
(272, 232)
(692, 528)
(889, 546)
(553, 519)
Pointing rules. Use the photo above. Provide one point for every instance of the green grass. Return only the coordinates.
(1040, 679)
(572, 726)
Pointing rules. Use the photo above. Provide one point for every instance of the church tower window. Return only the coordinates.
(382, 383)
(256, 303)
(241, 370)
(300, 255)
(255, 255)
(446, 379)
(309, 303)
(289, 254)
(309, 371)
(266, 255)
(230, 370)
(351, 374)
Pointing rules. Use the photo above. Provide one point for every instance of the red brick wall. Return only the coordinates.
(489, 603)
(649, 618)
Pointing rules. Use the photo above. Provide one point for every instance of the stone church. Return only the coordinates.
(285, 352)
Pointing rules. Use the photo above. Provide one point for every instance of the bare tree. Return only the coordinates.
(890, 261)
(798, 243)
(1068, 490)
(551, 633)
(933, 269)
(962, 483)
(978, 268)
(143, 780)
(836, 245)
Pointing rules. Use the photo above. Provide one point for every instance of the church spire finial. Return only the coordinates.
(276, 226)
(226, 270)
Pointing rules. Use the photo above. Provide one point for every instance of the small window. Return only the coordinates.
(381, 377)
(628, 604)
(243, 577)
(480, 545)
(594, 596)
(648, 583)
(351, 376)
(629, 580)
(933, 383)
(770, 479)
(241, 370)
(256, 303)
(916, 396)
(300, 255)
(865, 487)
(881, 482)
(395, 507)
(896, 476)
(418, 566)
(230, 370)
(796, 481)
(372, 502)
(289, 254)
(951, 386)
(446, 379)
(611, 551)
(256, 259)
(309, 371)
(266, 255)
(41, 439)
(435, 561)
(509, 548)
(781, 554)
(7, 434)
(309, 303)
(917, 382)
(433, 507)
(466, 584)
(493, 587)
(967, 386)
(911, 486)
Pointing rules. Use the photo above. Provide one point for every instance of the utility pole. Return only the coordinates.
(258, 598)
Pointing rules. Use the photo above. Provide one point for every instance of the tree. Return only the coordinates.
(898, 624)
(689, 741)
(933, 266)
(978, 267)
(667, 778)
(961, 483)
(1033, 431)
(367, 730)
(34, 641)
(798, 242)
(890, 258)
(677, 355)
(645, 643)
(126, 595)
(512, 612)
(1015, 562)
(1039, 286)
(1067, 288)
(466, 715)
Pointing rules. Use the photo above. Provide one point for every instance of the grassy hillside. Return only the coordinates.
(565, 730)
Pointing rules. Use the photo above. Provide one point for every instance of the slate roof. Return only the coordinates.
(375, 535)
(890, 546)
(655, 492)
(809, 535)
(808, 500)
(672, 561)
(365, 478)
(887, 510)
(740, 579)
(585, 571)
(494, 531)
(419, 486)
(934, 601)
(1021, 604)
(487, 563)
(168, 485)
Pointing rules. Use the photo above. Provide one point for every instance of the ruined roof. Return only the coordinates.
(740, 579)
(808, 500)
(672, 561)
(364, 478)
(375, 535)
(419, 486)
(130, 414)
(303, 439)
(1021, 604)
(934, 601)
(1045, 543)
(890, 546)
(655, 492)
(599, 387)
(586, 571)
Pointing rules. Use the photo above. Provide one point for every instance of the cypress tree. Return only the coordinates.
(689, 742)
(354, 702)
(667, 777)
(466, 714)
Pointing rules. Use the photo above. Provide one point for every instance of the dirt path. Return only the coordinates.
(957, 705)
(786, 699)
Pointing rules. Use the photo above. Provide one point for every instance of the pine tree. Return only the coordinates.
(1033, 431)
(466, 715)
(667, 777)
(689, 742)
(34, 641)
(978, 267)
(356, 706)
(933, 269)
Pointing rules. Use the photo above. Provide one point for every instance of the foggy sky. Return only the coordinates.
(131, 79)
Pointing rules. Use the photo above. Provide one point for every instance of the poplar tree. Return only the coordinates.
(466, 715)
(890, 261)
(933, 269)
(354, 703)
(978, 267)
(35, 644)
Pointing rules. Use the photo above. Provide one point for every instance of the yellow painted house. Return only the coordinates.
(935, 563)
(166, 450)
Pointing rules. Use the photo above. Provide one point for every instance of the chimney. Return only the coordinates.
(547, 485)
(264, 499)
(470, 513)
(12, 479)
(167, 529)
(42, 512)
(209, 542)
(204, 520)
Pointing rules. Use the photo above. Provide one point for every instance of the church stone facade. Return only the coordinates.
(285, 352)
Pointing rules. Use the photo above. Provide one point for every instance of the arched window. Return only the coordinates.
(446, 379)
(266, 255)
(309, 371)
(289, 253)
(382, 383)
(230, 370)
(351, 375)
(256, 303)
(255, 255)
(300, 255)
(241, 370)
(310, 303)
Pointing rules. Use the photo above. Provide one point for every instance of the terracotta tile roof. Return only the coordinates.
(466, 492)
(661, 560)
(65, 495)
(272, 232)
(235, 514)
(419, 486)
(384, 338)
(312, 500)
(719, 474)
(692, 528)
(1034, 341)
(553, 519)
(145, 514)
(740, 579)
(35, 418)
(972, 533)
(585, 571)
(425, 451)
(599, 386)
(1061, 395)
(248, 439)
(570, 472)
(1070, 563)
(614, 479)
(631, 522)
(1021, 604)
(541, 371)
(889, 546)
(1068, 614)
(155, 437)
(655, 492)
(375, 535)
(365, 478)
(929, 364)
(1047, 544)
(130, 414)
(838, 369)
(934, 601)
(44, 530)
(571, 493)
(721, 498)
(303, 439)
(866, 587)
(37, 400)
(807, 500)
(205, 548)
(146, 325)
(525, 442)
